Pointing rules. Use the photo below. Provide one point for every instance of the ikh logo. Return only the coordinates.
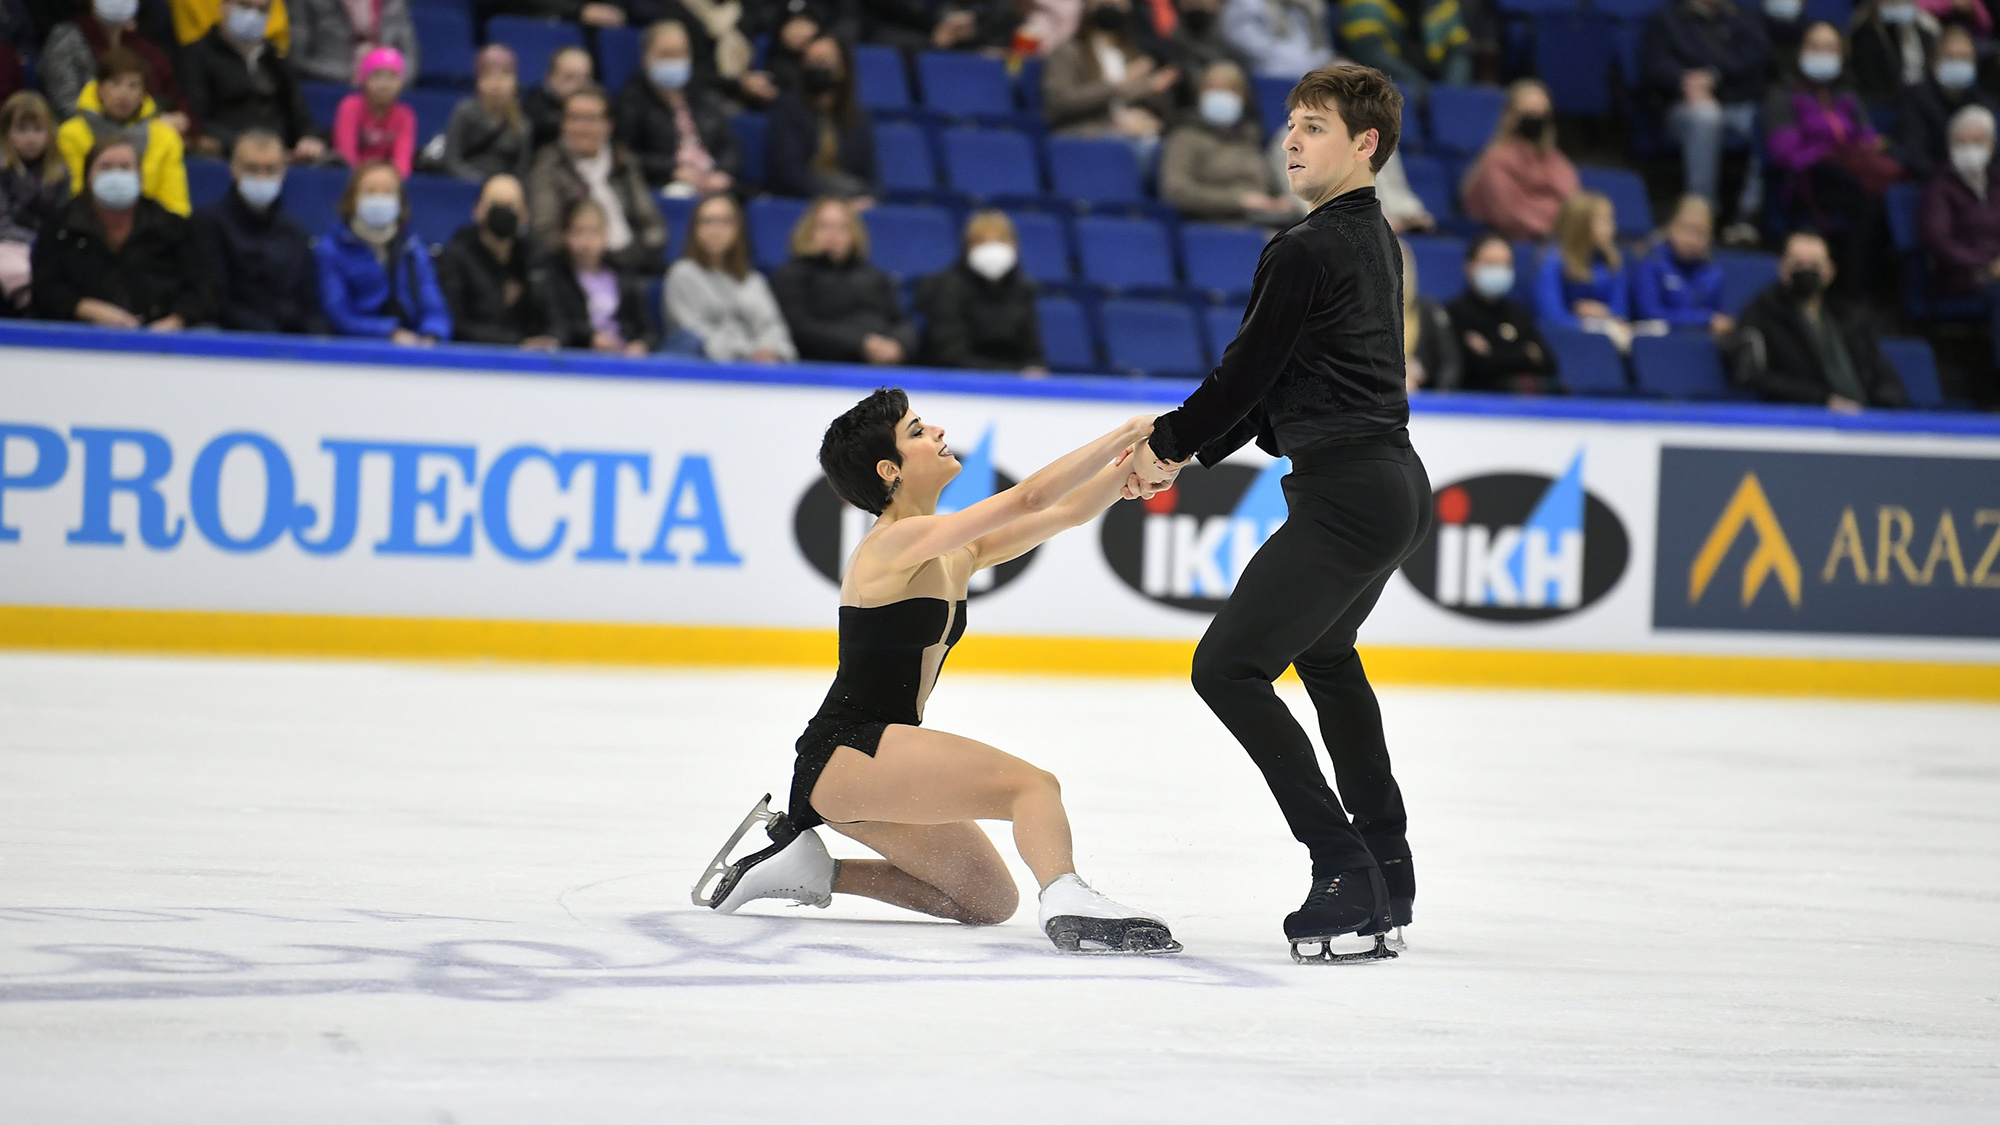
(1519, 547)
(1186, 547)
(828, 528)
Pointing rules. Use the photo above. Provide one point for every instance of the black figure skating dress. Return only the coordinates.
(890, 657)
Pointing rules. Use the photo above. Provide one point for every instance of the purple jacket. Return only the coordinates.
(1959, 230)
(1800, 130)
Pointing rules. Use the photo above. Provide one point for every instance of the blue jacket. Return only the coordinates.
(356, 292)
(1555, 293)
(1684, 295)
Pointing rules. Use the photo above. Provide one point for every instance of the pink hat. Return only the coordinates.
(381, 58)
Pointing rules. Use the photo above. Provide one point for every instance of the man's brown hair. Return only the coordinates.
(1364, 97)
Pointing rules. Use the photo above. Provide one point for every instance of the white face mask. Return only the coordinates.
(116, 188)
(245, 25)
(992, 260)
(1784, 11)
(1956, 74)
(1971, 160)
(111, 13)
(1221, 108)
(1898, 13)
(260, 191)
(669, 74)
(1820, 66)
(1493, 282)
(379, 210)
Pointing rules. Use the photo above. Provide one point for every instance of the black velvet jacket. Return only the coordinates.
(1319, 358)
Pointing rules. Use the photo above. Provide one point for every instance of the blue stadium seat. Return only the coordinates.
(1270, 95)
(962, 84)
(1463, 117)
(771, 220)
(903, 158)
(1431, 183)
(993, 164)
(1152, 338)
(880, 82)
(1634, 10)
(208, 180)
(618, 51)
(1095, 171)
(1045, 251)
(1744, 274)
(1028, 86)
(533, 42)
(1536, 7)
(1574, 53)
(323, 101)
(1066, 338)
(1839, 13)
(1627, 193)
(1221, 259)
(440, 205)
(1917, 367)
(1125, 254)
(1221, 321)
(752, 138)
(311, 194)
(433, 109)
(1683, 365)
(1440, 264)
(1414, 138)
(1527, 266)
(911, 242)
(444, 32)
(1586, 362)
(678, 211)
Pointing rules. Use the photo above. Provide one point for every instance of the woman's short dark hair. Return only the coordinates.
(859, 440)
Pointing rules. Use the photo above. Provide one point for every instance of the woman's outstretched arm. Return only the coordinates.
(1075, 510)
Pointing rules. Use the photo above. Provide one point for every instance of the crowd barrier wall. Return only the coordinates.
(220, 494)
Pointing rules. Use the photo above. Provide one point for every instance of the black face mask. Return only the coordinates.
(1532, 128)
(1198, 21)
(819, 80)
(1806, 284)
(1104, 17)
(503, 222)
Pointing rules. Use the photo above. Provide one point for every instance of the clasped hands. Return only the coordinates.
(1150, 475)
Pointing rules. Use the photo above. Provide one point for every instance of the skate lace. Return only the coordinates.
(1323, 891)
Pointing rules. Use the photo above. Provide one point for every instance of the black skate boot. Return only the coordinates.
(1401, 878)
(1352, 902)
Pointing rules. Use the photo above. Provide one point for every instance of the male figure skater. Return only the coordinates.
(1316, 374)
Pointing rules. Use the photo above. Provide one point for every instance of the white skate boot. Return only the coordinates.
(794, 867)
(1079, 920)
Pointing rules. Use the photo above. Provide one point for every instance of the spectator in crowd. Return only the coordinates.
(488, 132)
(1817, 134)
(1048, 24)
(1101, 84)
(1926, 108)
(1196, 44)
(1415, 42)
(375, 279)
(681, 139)
(584, 162)
(840, 307)
(980, 312)
(235, 82)
(1519, 183)
(1281, 38)
(569, 71)
(955, 25)
(1892, 43)
(1431, 354)
(1707, 62)
(1504, 349)
(1582, 283)
(1400, 205)
(115, 258)
(117, 105)
(483, 271)
(1678, 282)
(1959, 218)
(1971, 14)
(589, 13)
(713, 293)
(191, 19)
(1213, 166)
(256, 260)
(1784, 26)
(371, 125)
(1815, 350)
(583, 299)
(821, 142)
(793, 26)
(329, 35)
(70, 57)
(34, 189)
(728, 51)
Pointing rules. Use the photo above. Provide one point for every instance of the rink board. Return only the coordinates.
(225, 500)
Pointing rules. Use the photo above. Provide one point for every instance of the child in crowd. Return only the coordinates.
(587, 302)
(1679, 282)
(371, 125)
(33, 189)
(488, 134)
(117, 105)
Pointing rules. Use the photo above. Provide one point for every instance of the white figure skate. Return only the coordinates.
(795, 867)
(1079, 920)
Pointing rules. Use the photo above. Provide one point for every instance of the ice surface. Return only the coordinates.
(346, 892)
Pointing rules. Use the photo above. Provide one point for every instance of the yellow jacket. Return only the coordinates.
(163, 174)
(193, 18)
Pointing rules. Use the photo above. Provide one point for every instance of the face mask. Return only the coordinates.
(117, 189)
(1784, 11)
(669, 74)
(1493, 282)
(1819, 66)
(1198, 21)
(379, 211)
(1805, 284)
(503, 222)
(1532, 128)
(1104, 17)
(1956, 74)
(991, 260)
(1971, 160)
(114, 12)
(260, 191)
(1221, 108)
(245, 25)
(1898, 13)
(818, 80)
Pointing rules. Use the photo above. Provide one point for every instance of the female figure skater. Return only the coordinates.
(866, 766)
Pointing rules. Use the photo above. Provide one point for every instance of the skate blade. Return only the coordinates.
(1325, 955)
(1098, 937)
(706, 895)
(1396, 940)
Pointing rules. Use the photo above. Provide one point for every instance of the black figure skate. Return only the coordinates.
(1351, 903)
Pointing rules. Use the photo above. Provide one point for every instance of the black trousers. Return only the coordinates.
(1355, 512)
